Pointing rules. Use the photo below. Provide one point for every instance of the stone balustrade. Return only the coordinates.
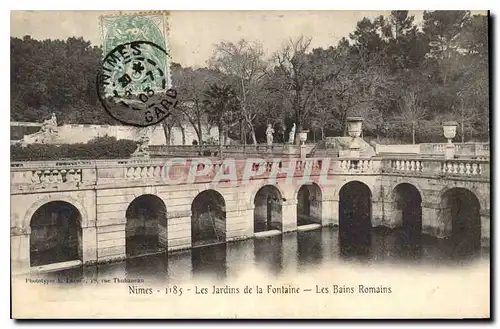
(227, 151)
(439, 167)
(61, 175)
(465, 150)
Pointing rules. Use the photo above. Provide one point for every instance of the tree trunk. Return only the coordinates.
(166, 132)
(183, 132)
(413, 132)
(200, 133)
(322, 133)
(254, 139)
(462, 128)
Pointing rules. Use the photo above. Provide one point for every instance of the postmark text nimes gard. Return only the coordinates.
(132, 84)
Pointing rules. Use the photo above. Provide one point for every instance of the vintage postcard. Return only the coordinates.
(250, 164)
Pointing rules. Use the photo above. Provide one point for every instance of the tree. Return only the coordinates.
(411, 112)
(298, 77)
(244, 67)
(191, 85)
(222, 108)
(443, 30)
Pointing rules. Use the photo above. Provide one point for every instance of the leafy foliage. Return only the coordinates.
(403, 78)
(98, 148)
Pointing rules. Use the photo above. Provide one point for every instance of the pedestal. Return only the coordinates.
(354, 153)
(330, 213)
(179, 233)
(289, 216)
(435, 222)
(89, 245)
(303, 151)
(449, 151)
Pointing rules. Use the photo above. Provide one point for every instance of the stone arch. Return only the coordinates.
(481, 198)
(55, 234)
(460, 211)
(208, 218)
(406, 212)
(268, 215)
(309, 198)
(256, 189)
(25, 225)
(355, 217)
(355, 179)
(146, 225)
(390, 192)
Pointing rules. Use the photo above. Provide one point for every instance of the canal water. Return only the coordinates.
(295, 252)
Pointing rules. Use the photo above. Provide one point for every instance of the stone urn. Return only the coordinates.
(303, 136)
(354, 125)
(450, 130)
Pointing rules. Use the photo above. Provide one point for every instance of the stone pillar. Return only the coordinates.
(330, 211)
(89, 244)
(392, 216)
(435, 221)
(162, 236)
(179, 230)
(20, 250)
(485, 228)
(111, 240)
(289, 216)
(378, 216)
(239, 223)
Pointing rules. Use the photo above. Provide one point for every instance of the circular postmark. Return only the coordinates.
(132, 84)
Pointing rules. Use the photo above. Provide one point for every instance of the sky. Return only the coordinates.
(192, 34)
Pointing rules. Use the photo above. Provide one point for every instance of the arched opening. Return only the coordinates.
(309, 205)
(407, 213)
(267, 212)
(146, 228)
(355, 208)
(208, 218)
(461, 208)
(56, 234)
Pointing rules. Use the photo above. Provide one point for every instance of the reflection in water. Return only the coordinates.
(297, 251)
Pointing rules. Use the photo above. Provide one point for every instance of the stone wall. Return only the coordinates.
(82, 133)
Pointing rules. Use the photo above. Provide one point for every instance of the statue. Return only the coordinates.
(50, 125)
(269, 134)
(46, 135)
(291, 136)
(142, 145)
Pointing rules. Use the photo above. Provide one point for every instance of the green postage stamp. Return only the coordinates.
(135, 79)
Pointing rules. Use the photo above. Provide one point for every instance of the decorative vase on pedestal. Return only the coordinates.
(449, 131)
(354, 128)
(303, 136)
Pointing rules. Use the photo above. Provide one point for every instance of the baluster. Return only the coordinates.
(398, 165)
(70, 176)
(137, 172)
(157, 171)
(130, 172)
(455, 168)
(450, 168)
(63, 173)
(468, 169)
(44, 177)
(412, 165)
(461, 168)
(35, 177)
(474, 169)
